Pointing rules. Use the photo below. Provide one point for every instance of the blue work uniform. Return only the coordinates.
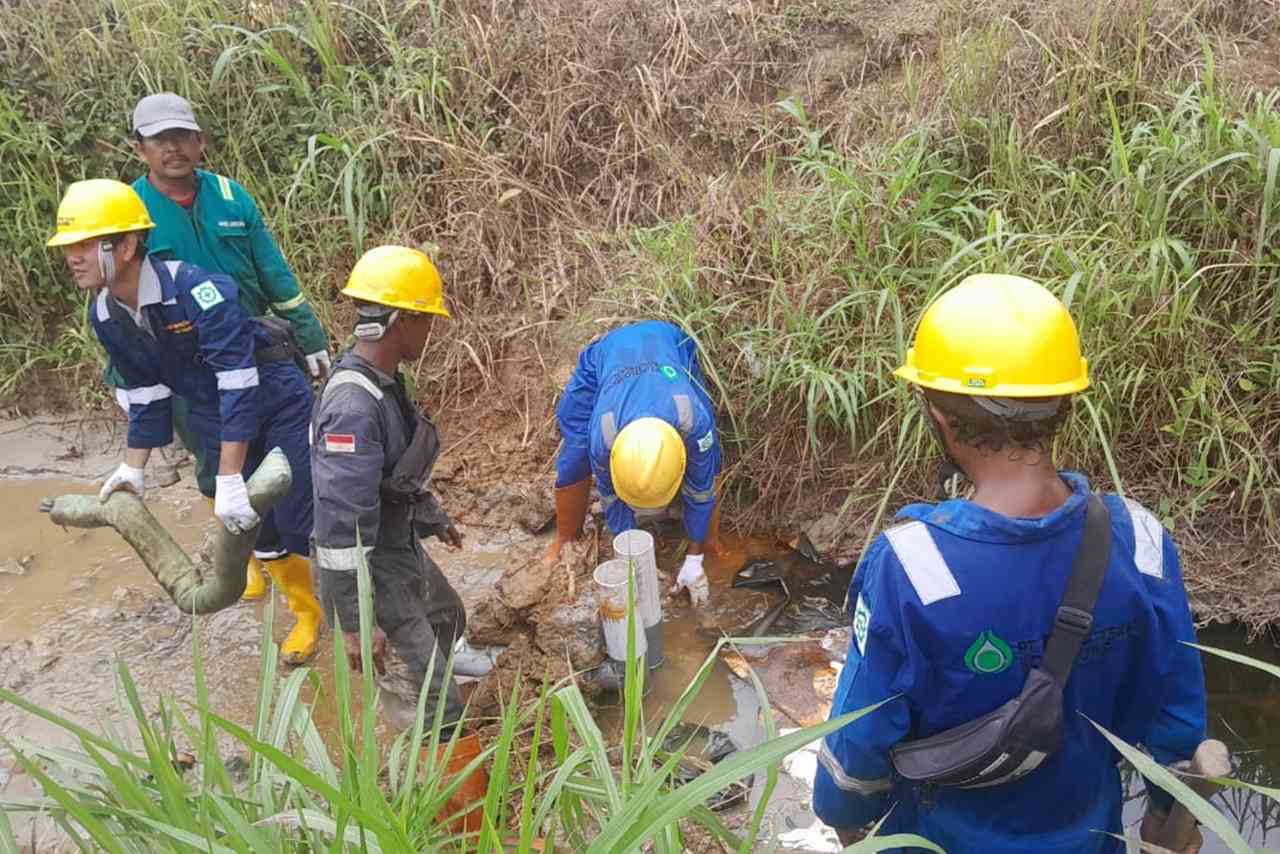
(951, 608)
(191, 339)
(642, 370)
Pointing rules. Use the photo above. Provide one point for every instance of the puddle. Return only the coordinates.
(1244, 712)
(75, 567)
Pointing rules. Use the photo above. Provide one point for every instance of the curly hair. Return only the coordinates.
(978, 428)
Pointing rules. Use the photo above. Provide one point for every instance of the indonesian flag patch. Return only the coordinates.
(340, 443)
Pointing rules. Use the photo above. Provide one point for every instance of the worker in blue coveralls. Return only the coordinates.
(951, 607)
(210, 221)
(173, 330)
(637, 417)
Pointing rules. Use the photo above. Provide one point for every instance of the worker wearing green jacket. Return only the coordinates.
(212, 222)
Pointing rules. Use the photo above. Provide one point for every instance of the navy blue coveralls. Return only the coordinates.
(191, 339)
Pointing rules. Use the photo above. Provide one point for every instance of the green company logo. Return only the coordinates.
(670, 372)
(988, 654)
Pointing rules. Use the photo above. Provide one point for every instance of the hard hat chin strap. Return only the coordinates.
(374, 323)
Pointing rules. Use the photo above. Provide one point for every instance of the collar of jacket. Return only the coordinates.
(966, 519)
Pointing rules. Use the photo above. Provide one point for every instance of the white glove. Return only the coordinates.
(124, 477)
(231, 504)
(318, 363)
(693, 579)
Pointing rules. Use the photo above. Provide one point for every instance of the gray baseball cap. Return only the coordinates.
(157, 113)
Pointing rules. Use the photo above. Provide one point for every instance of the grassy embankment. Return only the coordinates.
(791, 183)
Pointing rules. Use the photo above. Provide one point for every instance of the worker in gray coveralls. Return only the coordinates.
(372, 452)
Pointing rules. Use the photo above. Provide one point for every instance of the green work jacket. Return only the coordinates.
(224, 233)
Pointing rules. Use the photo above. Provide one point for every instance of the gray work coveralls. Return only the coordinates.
(371, 453)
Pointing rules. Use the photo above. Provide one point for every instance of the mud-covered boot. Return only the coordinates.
(255, 586)
(292, 575)
(473, 788)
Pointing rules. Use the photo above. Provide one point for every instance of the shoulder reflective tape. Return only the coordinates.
(846, 783)
(341, 560)
(147, 394)
(922, 561)
(1148, 540)
(104, 313)
(699, 496)
(609, 428)
(237, 378)
(289, 304)
(684, 413)
(224, 186)
(350, 377)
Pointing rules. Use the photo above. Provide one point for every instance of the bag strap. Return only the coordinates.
(1074, 619)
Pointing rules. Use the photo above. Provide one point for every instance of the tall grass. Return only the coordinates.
(553, 780)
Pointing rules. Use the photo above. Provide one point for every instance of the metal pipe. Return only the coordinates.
(194, 589)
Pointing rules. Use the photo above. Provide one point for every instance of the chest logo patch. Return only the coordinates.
(988, 654)
(206, 295)
(670, 372)
(861, 623)
(705, 443)
(340, 443)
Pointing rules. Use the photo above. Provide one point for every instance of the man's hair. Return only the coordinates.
(977, 427)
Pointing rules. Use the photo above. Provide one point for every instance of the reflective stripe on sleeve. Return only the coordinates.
(237, 378)
(1148, 540)
(340, 560)
(924, 564)
(122, 398)
(289, 303)
(698, 495)
(147, 394)
(225, 186)
(846, 783)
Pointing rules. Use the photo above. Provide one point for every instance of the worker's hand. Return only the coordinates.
(231, 504)
(125, 477)
(451, 537)
(318, 364)
(693, 579)
(377, 646)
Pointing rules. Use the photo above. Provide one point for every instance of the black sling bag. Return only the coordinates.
(1013, 740)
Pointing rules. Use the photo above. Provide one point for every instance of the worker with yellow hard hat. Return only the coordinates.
(175, 331)
(372, 451)
(995, 630)
(637, 417)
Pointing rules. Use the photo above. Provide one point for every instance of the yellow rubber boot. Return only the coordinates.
(255, 586)
(292, 574)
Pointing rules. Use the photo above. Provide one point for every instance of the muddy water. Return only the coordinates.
(76, 567)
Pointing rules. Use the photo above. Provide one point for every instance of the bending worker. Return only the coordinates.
(175, 331)
(372, 452)
(956, 609)
(636, 415)
(212, 222)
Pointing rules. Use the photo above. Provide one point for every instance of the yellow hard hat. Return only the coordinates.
(399, 277)
(647, 463)
(96, 208)
(997, 336)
